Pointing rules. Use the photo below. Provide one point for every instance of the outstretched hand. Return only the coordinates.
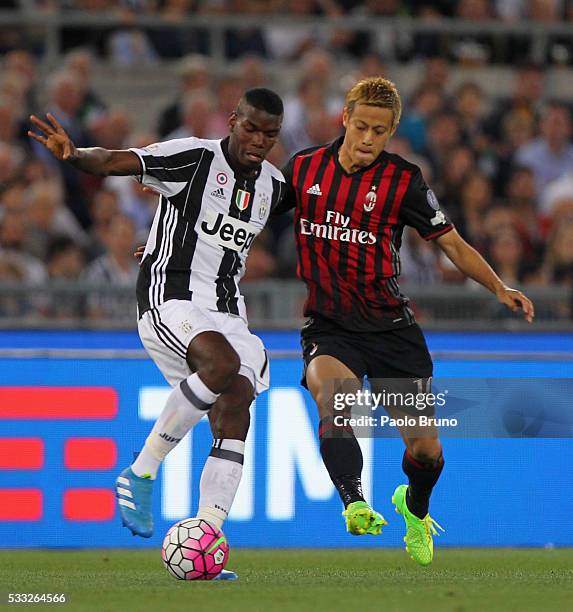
(53, 137)
(516, 300)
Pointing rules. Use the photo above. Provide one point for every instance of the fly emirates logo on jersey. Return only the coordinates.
(225, 231)
(336, 227)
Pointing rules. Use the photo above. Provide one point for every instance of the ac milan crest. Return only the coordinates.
(370, 200)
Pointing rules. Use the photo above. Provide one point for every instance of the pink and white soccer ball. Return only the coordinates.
(194, 549)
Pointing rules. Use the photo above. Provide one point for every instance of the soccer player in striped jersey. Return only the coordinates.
(215, 198)
(352, 201)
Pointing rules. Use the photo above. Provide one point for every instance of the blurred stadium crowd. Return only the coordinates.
(127, 44)
(501, 167)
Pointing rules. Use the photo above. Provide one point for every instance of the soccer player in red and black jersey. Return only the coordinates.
(352, 201)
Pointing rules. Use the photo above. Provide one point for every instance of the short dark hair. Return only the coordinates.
(264, 99)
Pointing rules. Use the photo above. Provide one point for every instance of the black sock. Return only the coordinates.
(422, 478)
(342, 457)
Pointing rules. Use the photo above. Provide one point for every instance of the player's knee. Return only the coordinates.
(214, 359)
(426, 450)
(230, 364)
(218, 373)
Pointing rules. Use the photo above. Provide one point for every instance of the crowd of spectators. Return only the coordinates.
(127, 43)
(501, 168)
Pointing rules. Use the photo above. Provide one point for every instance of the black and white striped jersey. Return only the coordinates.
(206, 221)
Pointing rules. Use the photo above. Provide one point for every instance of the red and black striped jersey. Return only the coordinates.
(349, 230)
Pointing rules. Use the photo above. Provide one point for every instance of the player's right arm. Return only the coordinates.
(96, 160)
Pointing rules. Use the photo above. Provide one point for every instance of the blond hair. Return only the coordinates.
(375, 91)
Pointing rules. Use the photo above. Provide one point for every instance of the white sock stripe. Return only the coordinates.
(201, 390)
(192, 398)
(124, 481)
(125, 492)
(125, 502)
(237, 446)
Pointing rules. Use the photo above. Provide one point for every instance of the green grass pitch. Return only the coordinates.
(459, 580)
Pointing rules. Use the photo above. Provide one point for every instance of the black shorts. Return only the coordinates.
(396, 353)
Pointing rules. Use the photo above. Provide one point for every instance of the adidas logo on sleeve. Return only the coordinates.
(314, 190)
(218, 193)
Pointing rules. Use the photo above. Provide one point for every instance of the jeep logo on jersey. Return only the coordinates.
(242, 199)
(225, 231)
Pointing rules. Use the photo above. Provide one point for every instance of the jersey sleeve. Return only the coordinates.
(421, 210)
(288, 197)
(167, 167)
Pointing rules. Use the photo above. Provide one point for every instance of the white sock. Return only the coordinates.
(185, 407)
(220, 480)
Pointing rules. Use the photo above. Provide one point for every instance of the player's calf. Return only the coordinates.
(342, 457)
(223, 469)
(230, 416)
(423, 470)
(185, 407)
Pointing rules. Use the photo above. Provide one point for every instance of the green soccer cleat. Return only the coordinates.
(419, 532)
(362, 519)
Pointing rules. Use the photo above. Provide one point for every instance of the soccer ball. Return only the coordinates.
(194, 549)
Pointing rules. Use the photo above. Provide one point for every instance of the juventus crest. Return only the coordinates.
(264, 204)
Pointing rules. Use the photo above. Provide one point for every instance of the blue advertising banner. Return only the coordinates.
(68, 426)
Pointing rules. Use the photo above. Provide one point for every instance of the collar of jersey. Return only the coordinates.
(335, 146)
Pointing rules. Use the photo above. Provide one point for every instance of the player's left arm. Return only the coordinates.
(287, 200)
(472, 264)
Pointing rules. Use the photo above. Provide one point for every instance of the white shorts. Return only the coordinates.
(167, 331)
